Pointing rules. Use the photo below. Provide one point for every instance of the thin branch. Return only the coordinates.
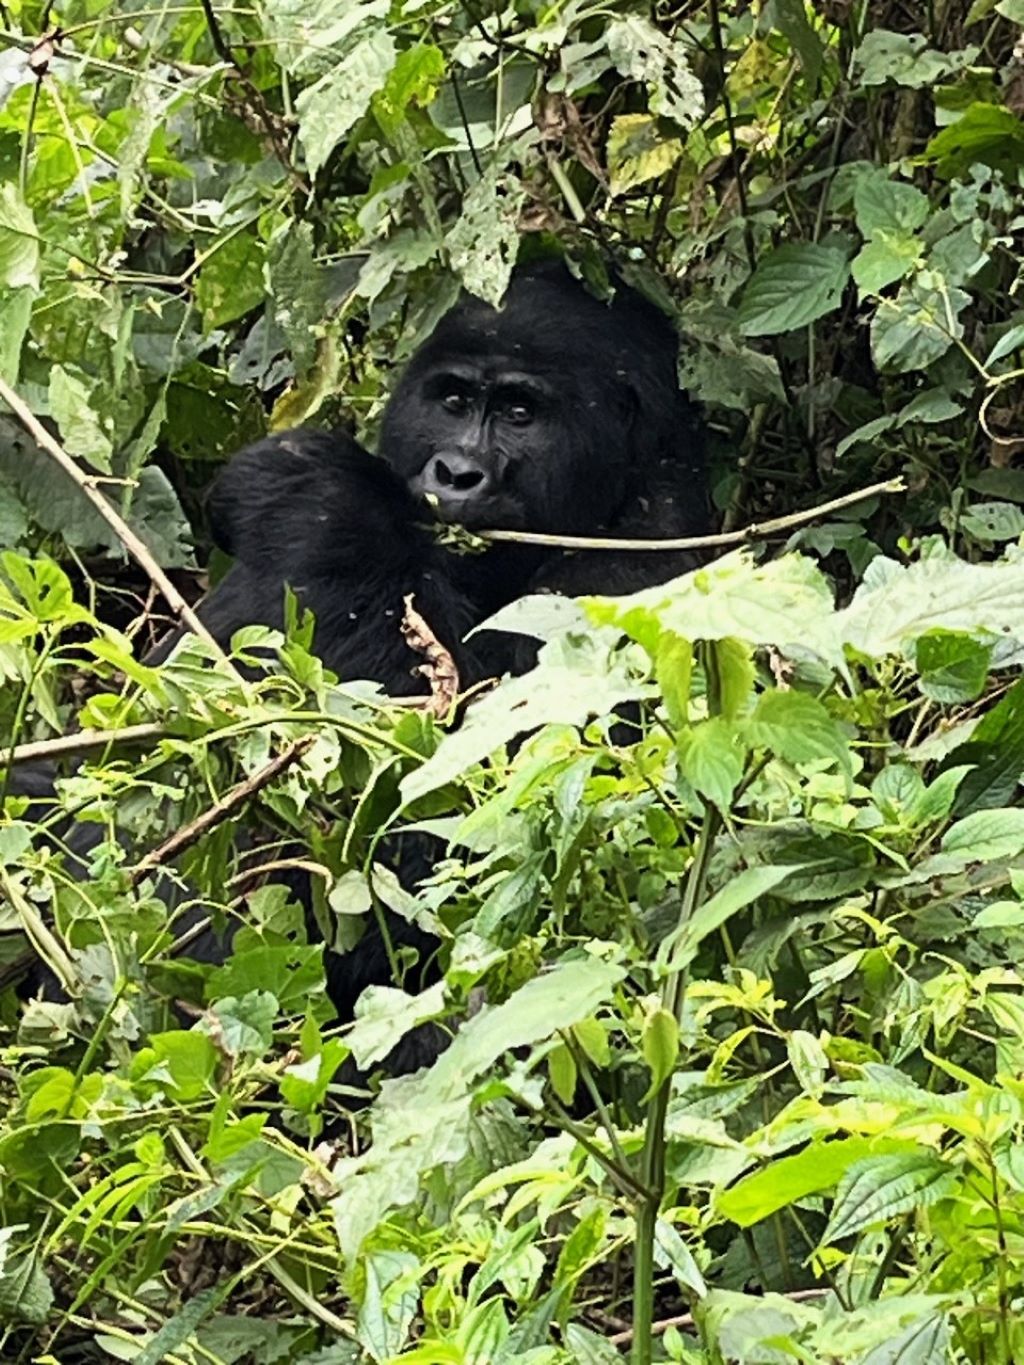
(757, 531)
(222, 810)
(83, 741)
(131, 542)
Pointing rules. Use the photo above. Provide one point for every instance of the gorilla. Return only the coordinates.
(557, 413)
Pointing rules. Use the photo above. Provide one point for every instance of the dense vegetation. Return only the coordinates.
(745, 1085)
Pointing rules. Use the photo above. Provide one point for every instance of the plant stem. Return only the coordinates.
(652, 1173)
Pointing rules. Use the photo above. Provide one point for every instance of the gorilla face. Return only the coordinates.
(487, 443)
(525, 417)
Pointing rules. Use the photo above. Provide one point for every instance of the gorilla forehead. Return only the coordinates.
(549, 323)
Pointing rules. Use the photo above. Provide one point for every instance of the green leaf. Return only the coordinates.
(817, 1168)
(896, 604)
(918, 327)
(80, 427)
(329, 109)
(189, 1059)
(711, 758)
(985, 133)
(26, 1295)
(996, 751)
(889, 257)
(659, 1043)
(643, 52)
(883, 1187)
(484, 242)
(888, 206)
(230, 282)
(792, 22)
(991, 522)
(562, 1073)
(740, 891)
(636, 152)
(987, 835)
(385, 1014)
(906, 59)
(1011, 340)
(798, 728)
(784, 601)
(19, 241)
(791, 287)
(953, 665)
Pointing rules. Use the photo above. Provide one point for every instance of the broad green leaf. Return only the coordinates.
(792, 22)
(882, 1187)
(711, 758)
(906, 59)
(953, 665)
(913, 330)
(739, 892)
(987, 835)
(888, 206)
(329, 109)
(641, 51)
(384, 1014)
(413, 81)
(1011, 340)
(572, 683)
(484, 242)
(26, 1295)
(19, 241)
(785, 602)
(15, 316)
(996, 751)
(636, 152)
(991, 522)
(80, 425)
(230, 282)
(423, 1121)
(985, 133)
(791, 287)
(889, 257)
(189, 1060)
(562, 1073)
(672, 1254)
(819, 1167)
(796, 727)
(897, 604)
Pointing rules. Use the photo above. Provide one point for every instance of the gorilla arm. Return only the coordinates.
(315, 511)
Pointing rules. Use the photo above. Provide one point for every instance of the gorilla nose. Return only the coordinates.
(454, 478)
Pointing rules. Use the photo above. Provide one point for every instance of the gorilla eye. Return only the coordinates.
(455, 402)
(518, 414)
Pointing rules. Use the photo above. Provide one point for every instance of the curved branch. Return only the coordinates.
(757, 531)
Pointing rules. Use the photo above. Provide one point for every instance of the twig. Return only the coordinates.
(757, 531)
(439, 669)
(686, 1319)
(83, 741)
(131, 542)
(222, 810)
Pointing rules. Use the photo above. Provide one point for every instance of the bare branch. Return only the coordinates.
(131, 542)
(439, 668)
(83, 741)
(758, 531)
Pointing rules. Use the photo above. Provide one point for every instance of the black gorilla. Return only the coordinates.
(557, 413)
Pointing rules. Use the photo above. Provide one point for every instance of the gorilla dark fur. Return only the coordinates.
(557, 413)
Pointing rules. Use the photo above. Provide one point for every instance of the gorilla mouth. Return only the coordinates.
(498, 513)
